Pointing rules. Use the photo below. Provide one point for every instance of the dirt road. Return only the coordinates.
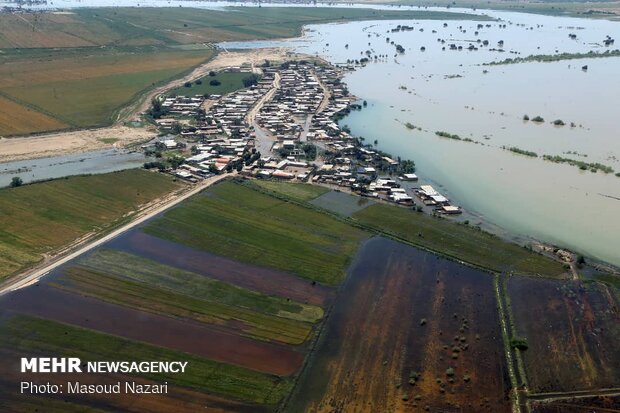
(32, 275)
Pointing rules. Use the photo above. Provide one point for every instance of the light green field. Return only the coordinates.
(42, 217)
(30, 335)
(230, 81)
(141, 283)
(237, 222)
(457, 240)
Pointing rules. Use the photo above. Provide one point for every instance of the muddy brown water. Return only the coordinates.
(374, 338)
(187, 336)
(256, 278)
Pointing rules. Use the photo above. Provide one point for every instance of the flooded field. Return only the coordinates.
(245, 329)
(574, 346)
(433, 88)
(244, 275)
(409, 330)
(341, 203)
(97, 162)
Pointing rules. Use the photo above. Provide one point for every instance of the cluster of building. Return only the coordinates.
(293, 106)
(298, 96)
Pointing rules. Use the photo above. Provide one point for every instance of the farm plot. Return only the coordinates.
(457, 240)
(603, 404)
(41, 217)
(237, 222)
(17, 119)
(260, 279)
(572, 330)
(136, 282)
(410, 331)
(81, 88)
(298, 192)
(27, 336)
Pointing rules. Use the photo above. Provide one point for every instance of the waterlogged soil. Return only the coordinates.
(572, 330)
(404, 318)
(256, 278)
(191, 337)
(177, 399)
(341, 203)
(602, 404)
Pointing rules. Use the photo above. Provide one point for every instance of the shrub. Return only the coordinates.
(519, 343)
(16, 181)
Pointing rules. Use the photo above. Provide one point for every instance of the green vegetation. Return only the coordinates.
(16, 181)
(538, 119)
(592, 166)
(228, 82)
(520, 151)
(448, 135)
(235, 221)
(459, 241)
(88, 87)
(42, 217)
(140, 283)
(37, 336)
(519, 343)
(555, 57)
(298, 192)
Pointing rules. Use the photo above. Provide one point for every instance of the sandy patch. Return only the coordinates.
(62, 143)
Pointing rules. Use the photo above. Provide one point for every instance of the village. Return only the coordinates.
(284, 126)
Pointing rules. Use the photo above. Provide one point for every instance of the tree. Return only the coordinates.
(212, 73)
(187, 84)
(16, 181)
(250, 80)
(215, 82)
(198, 82)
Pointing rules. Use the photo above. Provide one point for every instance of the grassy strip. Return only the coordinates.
(235, 221)
(592, 166)
(513, 331)
(144, 297)
(456, 240)
(45, 216)
(507, 348)
(144, 270)
(32, 336)
(555, 57)
(298, 192)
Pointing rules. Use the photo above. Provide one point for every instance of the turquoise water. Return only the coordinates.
(439, 90)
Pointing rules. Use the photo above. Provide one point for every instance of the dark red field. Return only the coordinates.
(256, 278)
(192, 337)
(403, 320)
(573, 333)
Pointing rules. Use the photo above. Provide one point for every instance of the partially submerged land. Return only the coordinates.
(266, 294)
(332, 291)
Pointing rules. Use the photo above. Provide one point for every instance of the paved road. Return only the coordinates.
(34, 274)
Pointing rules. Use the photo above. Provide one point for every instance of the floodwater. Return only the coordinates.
(445, 90)
(341, 203)
(96, 162)
(374, 337)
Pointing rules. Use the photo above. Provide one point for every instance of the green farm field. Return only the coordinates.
(229, 82)
(235, 221)
(42, 217)
(140, 283)
(31, 335)
(457, 240)
(298, 192)
(82, 88)
(78, 70)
